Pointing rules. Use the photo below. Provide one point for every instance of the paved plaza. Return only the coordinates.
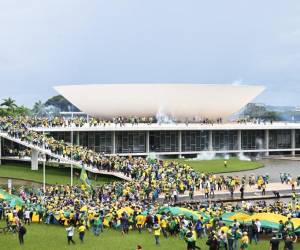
(273, 168)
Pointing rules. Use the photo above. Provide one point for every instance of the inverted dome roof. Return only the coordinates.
(182, 100)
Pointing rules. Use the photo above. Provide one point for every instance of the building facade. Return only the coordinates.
(182, 139)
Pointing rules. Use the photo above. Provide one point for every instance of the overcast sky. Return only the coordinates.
(55, 42)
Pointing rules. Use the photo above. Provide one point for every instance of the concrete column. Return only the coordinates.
(113, 142)
(77, 138)
(210, 144)
(239, 140)
(147, 142)
(293, 141)
(72, 137)
(34, 159)
(0, 150)
(267, 142)
(179, 143)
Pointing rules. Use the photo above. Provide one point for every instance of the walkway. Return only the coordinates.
(283, 189)
(273, 168)
(63, 159)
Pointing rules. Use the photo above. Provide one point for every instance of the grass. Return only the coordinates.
(62, 175)
(54, 237)
(217, 165)
(53, 174)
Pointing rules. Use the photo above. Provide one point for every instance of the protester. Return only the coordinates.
(21, 232)
(81, 231)
(156, 231)
(70, 233)
(274, 243)
(27, 216)
(191, 240)
(244, 241)
(289, 242)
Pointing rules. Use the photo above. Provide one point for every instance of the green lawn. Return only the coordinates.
(54, 237)
(53, 174)
(217, 166)
(62, 175)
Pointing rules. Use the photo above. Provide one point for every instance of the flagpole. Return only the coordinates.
(71, 154)
(44, 165)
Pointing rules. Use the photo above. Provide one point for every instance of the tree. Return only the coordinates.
(39, 109)
(21, 111)
(9, 103)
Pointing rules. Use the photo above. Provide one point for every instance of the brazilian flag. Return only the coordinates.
(84, 178)
(12, 199)
(151, 158)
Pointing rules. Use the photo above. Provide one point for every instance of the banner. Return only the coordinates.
(13, 199)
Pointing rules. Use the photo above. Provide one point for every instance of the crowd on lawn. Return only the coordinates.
(170, 178)
(88, 208)
(110, 206)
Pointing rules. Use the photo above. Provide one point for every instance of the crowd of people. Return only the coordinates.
(89, 208)
(110, 206)
(20, 128)
(84, 121)
(169, 178)
(161, 178)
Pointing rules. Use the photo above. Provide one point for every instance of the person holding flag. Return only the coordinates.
(84, 178)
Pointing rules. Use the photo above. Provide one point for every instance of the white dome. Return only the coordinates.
(181, 101)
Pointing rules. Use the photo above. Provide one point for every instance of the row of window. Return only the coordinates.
(191, 141)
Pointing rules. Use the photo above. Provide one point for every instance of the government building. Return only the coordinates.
(183, 102)
(185, 134)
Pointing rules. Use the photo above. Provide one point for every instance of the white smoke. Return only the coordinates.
(205, 156)
(259, 143)
(237, 82)
(162, 117)
(243, 157)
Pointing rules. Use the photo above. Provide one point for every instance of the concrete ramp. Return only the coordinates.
(64, 160)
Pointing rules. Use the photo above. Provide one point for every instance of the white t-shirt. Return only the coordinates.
(27, 214)
(258, 224)
(70, 231)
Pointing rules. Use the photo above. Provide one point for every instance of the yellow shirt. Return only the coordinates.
(91, 216)
(81, 229)
(139, 219)
(10, 217)
(224, 229)
(245, 239)
(164, 223)
(14, 221)
(157, 231)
